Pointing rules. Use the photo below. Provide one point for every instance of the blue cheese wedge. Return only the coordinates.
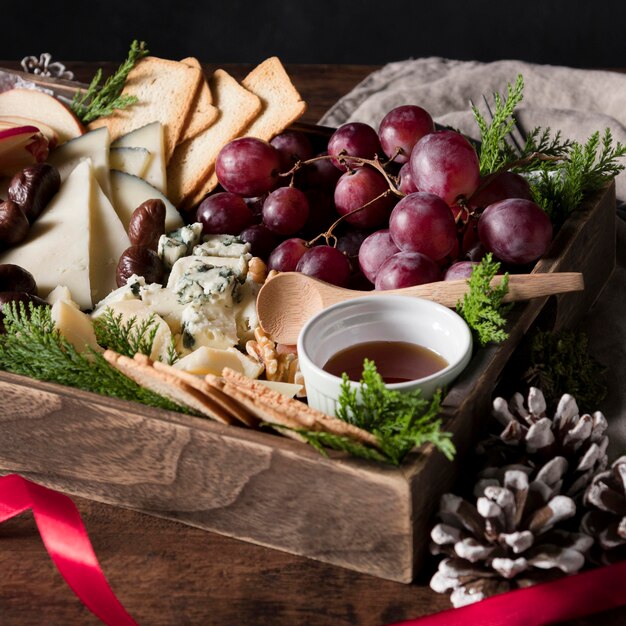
(197, 281)
(129, 291)
(245, 310)
(179, 243)
(164, 302)
(223, 246)
(209, 325)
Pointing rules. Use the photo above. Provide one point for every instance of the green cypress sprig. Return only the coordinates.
(125, 337)
(100, 100)
(482, 306)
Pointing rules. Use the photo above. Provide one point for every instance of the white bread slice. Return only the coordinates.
(193, 161)
(282, 104)
(165, 91)
(202, 113)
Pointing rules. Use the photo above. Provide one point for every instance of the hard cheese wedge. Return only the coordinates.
(76, 242)
(75, 326)
(206, 360)
(151, 138)
(128, 192)
(133, 161)
(93, 145)
(56, 250)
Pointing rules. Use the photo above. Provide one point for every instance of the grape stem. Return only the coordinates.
(328, 234)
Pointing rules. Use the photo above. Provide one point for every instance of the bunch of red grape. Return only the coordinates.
(409, 200)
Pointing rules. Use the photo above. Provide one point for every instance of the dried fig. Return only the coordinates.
(7, 297)
(16, 278)
(33, 188)
(147, 224)
(13, 224)
(141, 261)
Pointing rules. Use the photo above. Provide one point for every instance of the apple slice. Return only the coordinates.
(17, 120)
(41, 106)
(21, 146)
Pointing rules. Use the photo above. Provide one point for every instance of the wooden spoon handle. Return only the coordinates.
(521, 287)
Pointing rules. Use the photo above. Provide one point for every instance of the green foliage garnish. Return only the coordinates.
(588, 168)
(400, 421)
(494, 149)
(32, 346)
(560, 361)
(482, 307)
(127, 338)
(99, 100)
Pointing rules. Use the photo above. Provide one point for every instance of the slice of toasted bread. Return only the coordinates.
(282, 104)
(193, 161)
(165, 92)
(202, 113)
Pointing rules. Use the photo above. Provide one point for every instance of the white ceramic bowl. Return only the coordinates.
(381, 318)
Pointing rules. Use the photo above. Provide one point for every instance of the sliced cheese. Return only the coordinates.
(206, 360)
(287, 389)
(108, 242)
(56, 251)
(128, 192)
(74, 326)
(140, 312)
(152, 138)
(61, 292)
(133, 161)
(93, 145)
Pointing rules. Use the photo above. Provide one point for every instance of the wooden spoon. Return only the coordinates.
(288, 300)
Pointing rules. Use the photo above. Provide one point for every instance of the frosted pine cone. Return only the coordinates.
(606, 521)
(512, 537)
(532, 438)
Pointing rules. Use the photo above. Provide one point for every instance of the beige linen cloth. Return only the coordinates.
(576, 102)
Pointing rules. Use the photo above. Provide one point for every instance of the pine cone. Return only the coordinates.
(532, 438)
(509, 539)
(606, 522)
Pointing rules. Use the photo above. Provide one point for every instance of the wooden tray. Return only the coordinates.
(270, 490)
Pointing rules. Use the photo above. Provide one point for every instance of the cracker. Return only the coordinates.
(166, 385)
(202, 113)
(295, 411)
(189, 171)
(165, 92)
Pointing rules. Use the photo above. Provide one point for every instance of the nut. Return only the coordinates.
(141, 261)
(7, 297)
(16, 278)
(147, 224)
(13, 223)
(33, 188)
(257, 270)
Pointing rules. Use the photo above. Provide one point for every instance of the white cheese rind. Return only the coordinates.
(56, 251)
(151, 138)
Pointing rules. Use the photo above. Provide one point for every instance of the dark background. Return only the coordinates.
(577, 33)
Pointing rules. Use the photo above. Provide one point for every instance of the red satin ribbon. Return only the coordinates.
(67, 543)
(564, 599)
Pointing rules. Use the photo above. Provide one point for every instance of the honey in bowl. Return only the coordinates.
(396, 361)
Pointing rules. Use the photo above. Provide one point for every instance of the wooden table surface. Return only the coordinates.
(166, 573)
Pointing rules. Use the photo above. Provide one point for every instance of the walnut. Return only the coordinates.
(263, 349)
(257, 270)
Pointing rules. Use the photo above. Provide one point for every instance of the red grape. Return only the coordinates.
(248, 166)
(406, 269)
(350, 241)
(402, 128)
(503, 186)
(516, 231)
(462, 269)
(406, 184)
(285, 210)
(353, 139)
(262, 240)
(256, 207)
(292, 146)
(223, 213)
(445, 163)
(374, 251)
(285, 256)
(321, 174)
(357, 188)
(422, 222)
(327, 264)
